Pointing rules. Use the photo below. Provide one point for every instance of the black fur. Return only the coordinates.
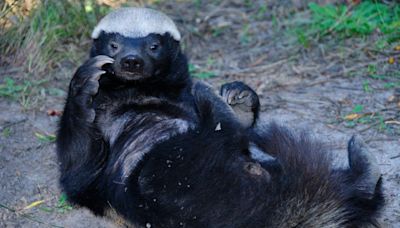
(164, 151)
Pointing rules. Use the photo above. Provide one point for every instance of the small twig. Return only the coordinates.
(392, 122)
(334, 128)
(394, 157)
(214, 12)
(345, 71)
(258, 68)
(385, 53)
(374, 139)
(258, 61)
(374, 124)
(13, 123)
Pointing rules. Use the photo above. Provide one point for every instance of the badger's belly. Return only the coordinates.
(131, 136)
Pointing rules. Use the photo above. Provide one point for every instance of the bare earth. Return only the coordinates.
(301, 88)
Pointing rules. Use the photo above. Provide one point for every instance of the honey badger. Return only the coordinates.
(138, 136)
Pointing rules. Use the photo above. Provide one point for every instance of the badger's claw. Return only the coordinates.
(100, 60)
(243, 100)
(240, 95)
(85, 84)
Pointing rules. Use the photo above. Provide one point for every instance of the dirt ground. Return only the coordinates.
(304, 88)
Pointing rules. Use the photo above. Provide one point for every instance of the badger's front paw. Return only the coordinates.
(85, 84)
(243, 100)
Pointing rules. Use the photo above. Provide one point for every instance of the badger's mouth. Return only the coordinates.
(131, 75)
(125, 74)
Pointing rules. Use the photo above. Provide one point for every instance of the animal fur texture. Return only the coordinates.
(140, 138)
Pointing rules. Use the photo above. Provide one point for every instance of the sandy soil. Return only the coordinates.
(301, 88)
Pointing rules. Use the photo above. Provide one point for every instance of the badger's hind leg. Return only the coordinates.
(363, 179)
(364, 167)
(243, 100)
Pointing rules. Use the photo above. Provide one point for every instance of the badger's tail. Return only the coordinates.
(313, 192)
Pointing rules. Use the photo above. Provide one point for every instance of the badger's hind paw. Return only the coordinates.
(364, 166)
(243, 100)
(240, 95)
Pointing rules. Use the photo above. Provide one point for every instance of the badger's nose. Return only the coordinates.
(132, 63)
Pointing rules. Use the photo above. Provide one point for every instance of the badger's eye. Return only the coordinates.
(154, 47)
(114, 45)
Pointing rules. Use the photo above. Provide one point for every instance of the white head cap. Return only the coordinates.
(136, 22)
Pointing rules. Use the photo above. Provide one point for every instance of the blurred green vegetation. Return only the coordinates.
(362, 19)
(40, 36)
(48, 32)
(343, 21)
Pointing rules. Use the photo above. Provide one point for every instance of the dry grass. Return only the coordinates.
(38, 35)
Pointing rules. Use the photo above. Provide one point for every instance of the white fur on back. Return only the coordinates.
(136, 22)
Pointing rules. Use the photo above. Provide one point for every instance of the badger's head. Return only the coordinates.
(143, 42)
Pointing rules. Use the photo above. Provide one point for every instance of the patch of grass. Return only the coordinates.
(10, 89)
(47, 34)
(354, 116)
(203, 72)
(25, 92)
(216, 32)
(63, 205)
(261, 12)
(196, 72)
(358, 108)
(47, 138)
(359, 116)
(302, 38)
(384, 79)
(362, 19)
(371, 69)
(29, 217)
(391, 85)
(46, 209)
(6, 132)
(245, 35)
(366, 86)
(55, 92)
(197, 4)
(248, 3)
(343, 21)
(381, 44)
(372, 119)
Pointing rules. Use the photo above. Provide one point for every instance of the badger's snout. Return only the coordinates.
(132, 64)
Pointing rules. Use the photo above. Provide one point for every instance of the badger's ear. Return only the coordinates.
(172, 45)
(170, 41)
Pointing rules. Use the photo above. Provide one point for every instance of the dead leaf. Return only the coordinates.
(353, 116)
(397, 48)
(391, 98)
(54, 112)
(34, 204)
